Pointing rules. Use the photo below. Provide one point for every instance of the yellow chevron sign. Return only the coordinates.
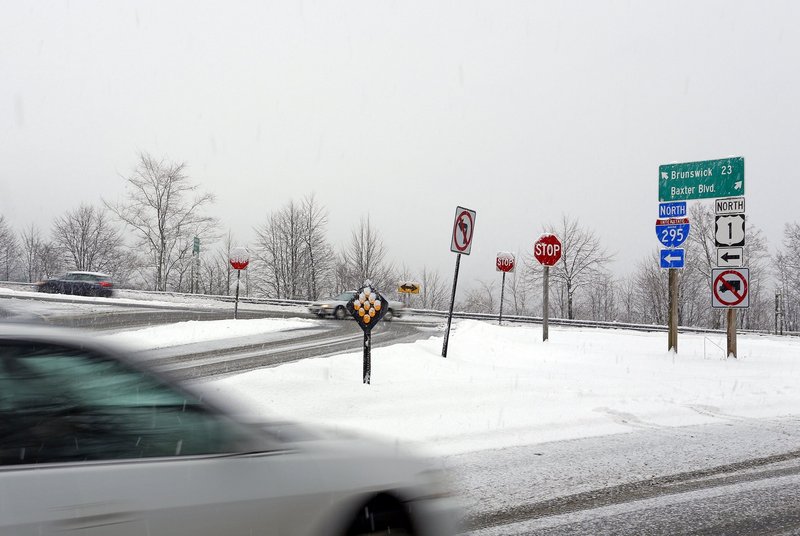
(408, 288)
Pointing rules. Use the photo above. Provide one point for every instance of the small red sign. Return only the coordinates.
(730, 288)
(239, 258)
(547, 249)
(505, 262)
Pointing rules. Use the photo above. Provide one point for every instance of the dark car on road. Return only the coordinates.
(94, 443)
(80, 284)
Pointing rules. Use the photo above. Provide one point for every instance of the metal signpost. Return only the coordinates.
(672, 232)
(729, 235)
(239, 259)
(730, 290)
(460, 243)
(505, 264)
(195, 263)
(367, 307)
(547, 250)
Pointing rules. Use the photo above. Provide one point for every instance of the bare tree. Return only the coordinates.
(602, 299)
(164, 210)
(627, 293)
(88, 238)
(787, 268)
(318, 251)
(481, 299)
(365, 257)
(433, 291)
(9, 250)
(31, 252)
(517, 293)
(583, 260)
(652, 298)
(294, 254)
(51, 259)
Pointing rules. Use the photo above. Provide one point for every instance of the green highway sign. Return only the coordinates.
(701, 180)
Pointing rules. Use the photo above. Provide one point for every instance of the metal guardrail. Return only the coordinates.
(441, 314)
(17, 284)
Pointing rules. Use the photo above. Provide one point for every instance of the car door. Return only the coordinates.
(68, 283)
(89, 446)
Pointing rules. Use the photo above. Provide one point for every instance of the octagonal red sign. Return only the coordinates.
(547, 249)
(239, 258)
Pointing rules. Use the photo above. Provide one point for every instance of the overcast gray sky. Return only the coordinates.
(522, 111)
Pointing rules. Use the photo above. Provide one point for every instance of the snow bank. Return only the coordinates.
(502, 386)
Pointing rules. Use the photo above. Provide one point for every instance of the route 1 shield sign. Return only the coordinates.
(729, 230)
(730, 288)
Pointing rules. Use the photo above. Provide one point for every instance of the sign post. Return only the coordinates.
(461, 243)
(239, 259)
(195, 263)
(367, 307)
(505, 264)
(672, 336)
(547, 251)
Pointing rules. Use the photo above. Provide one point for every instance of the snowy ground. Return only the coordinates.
(502, 386)
(19, 302)
(197, 331)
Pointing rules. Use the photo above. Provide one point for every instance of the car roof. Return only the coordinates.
(98, 274)
(25, 331)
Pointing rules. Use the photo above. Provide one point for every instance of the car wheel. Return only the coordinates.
(340, 313)
(389, 315)
(384, 515)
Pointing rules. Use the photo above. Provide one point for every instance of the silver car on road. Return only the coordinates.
(91, 443)
(337, 307)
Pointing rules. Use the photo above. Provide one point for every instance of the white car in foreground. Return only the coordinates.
(337, 307)
(91, 443)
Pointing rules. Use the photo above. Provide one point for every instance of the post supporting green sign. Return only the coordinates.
(701, 180)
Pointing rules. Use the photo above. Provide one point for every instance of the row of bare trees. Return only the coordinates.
(160, 206)
(293, 258)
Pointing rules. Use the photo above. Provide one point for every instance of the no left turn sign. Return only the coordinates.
(730, 288)
(463, 228)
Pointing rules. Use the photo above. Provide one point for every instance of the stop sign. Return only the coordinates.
(239, 258)
(505, 262)
(547, 249)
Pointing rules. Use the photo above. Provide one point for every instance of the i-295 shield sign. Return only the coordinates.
(672, 232)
